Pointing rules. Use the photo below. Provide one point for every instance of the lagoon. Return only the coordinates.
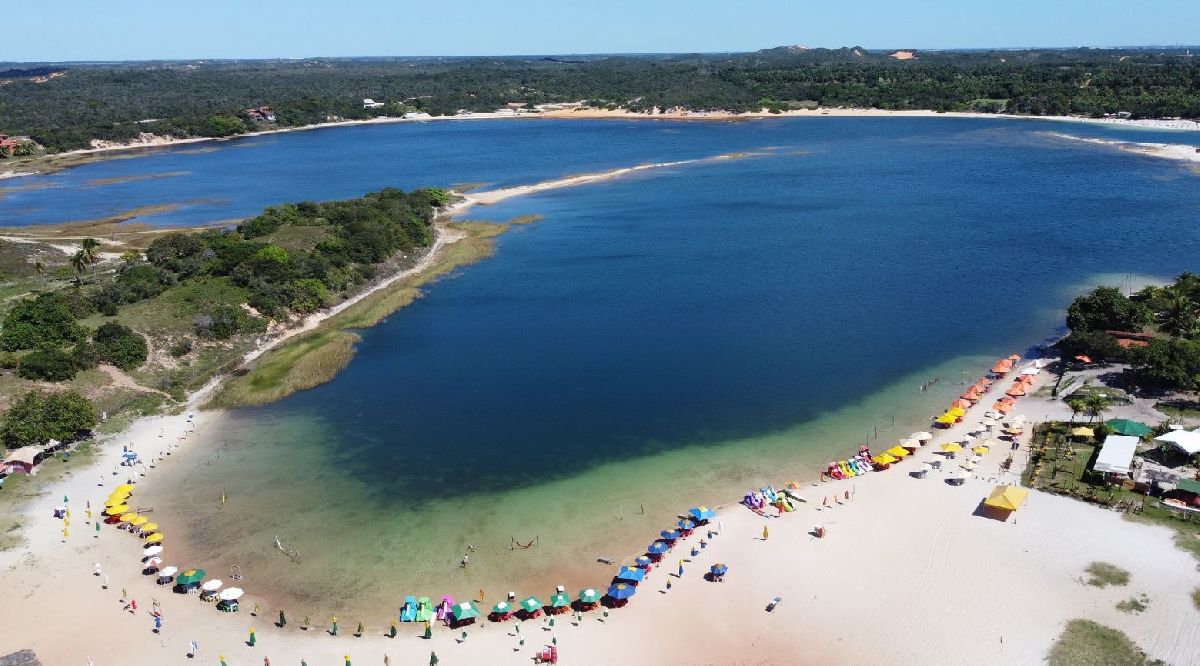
(652, 343)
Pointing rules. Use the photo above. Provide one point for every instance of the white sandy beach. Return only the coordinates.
(907, 573)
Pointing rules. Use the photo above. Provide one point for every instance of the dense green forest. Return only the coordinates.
(65, 107)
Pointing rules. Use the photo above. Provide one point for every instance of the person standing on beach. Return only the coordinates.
(193, 648)
(282, 619)
(765, 533)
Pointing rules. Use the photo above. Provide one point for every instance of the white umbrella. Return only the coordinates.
(911, 443)
(167, 572)
(231, 594)
(212, 585)
(154, 561)
(923, 436)
(1031, 371)
(927, 466)
(152, 551)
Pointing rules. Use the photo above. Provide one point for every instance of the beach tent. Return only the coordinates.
(1008, 498)
(1081, 432)
(701, 513)
(1128, 427)
(1187, 441)
(1116, 455)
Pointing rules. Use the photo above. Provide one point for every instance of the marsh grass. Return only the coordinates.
(1086, 642)
(1135, 605)
(1103, 574)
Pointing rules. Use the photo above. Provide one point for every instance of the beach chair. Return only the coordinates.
(547, 656)
(409, 612)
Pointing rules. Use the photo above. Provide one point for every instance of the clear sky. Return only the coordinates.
(184, 29)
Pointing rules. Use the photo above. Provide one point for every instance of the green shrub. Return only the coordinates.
(40, 322)
(181, 348)
(38, 417)
(120, 345)
(52, 365)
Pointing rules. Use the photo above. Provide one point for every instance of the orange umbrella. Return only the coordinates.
(1025, 379)
(1014, 358)
(1003, 407)
(971, 395)
(960, 403)
(1016, 390)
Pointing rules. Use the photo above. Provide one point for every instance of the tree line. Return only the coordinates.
(117, 102)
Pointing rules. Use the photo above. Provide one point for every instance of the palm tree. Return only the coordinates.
(79, 262)
(1182, 318)
(1096, 403)
(90, 254)
(1076, 405)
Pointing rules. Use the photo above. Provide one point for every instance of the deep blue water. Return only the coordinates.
(695, 304)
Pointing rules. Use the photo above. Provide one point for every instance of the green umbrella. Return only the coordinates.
(465, 611)
(502, 607)
(1129, 427)
(589, 596)
(560, 600)
(190, 576)
(531, 604)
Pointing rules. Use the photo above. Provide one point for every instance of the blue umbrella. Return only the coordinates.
(621, 591)
(719, 569)
(668, 535)
(658, 548)
(632, 574)
(642, 561)
(685, 524)
(701, 513)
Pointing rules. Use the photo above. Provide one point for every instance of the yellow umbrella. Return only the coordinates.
(1009, 498)
(947, 418)
(952, 447)
(128, 517)
(980, 450)
(149, 527)
(139, 521)
(123, 488)
(957, 411)
(154, 538)
(1083, 432)
(115, 501)
(116, 510)
(897, 451)
(884, 459)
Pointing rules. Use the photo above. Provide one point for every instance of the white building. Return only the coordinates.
(369, 103)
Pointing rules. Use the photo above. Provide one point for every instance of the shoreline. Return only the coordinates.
(912, 546)
(90, 155)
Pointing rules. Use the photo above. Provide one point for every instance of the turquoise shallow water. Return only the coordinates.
(652, 343)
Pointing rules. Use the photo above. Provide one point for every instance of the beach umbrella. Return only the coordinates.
(531, 604)
(560, 600)
(1014, 358)
(152, 551)
(701, 513)
(620, 591)
(139, 521)
(952, 447)
(883, 459)
(502, 608)
(946, 418)
(589, 596)
(928, 467)
(123, 488)
(190, 576)
(128, 517)
(1128, 427)
(116, 500)
(1009, 498)
(668, 535)
(117, 510)
(685, 524)
(922, 435)
(980, 450)
(157, 537)
(464, 611)
(911, 443)
(957, 411)
(212, 585)
(719, 569)
(961, 404)
(897, 451)
(632, 574)
(231, 594)
(642, 561)
(150, 527)
(658, 548)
